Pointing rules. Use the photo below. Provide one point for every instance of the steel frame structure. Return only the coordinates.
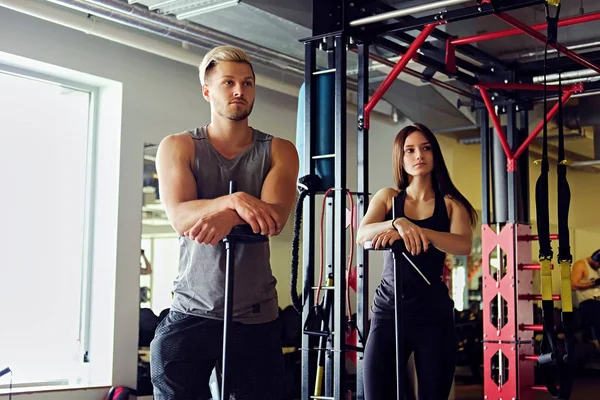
(340, 26)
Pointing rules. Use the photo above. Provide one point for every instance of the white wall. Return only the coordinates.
(159, 97)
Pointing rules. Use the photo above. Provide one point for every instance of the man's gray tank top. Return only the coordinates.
(199, 288)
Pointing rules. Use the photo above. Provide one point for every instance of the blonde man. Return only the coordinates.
(194, 169)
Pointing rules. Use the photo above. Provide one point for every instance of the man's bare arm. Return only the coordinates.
(177, 186)
(578, 275)
(279, 187)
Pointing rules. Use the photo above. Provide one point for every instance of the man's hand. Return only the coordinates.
(211, 229)
(259, 215)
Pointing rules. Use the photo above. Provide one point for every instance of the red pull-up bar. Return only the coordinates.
(580, 19)
(400, 65)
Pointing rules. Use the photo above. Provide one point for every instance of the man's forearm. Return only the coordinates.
(582, 285)
(184, 215)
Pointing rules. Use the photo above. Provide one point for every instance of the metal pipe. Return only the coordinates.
(582, 73)
(538, 36)
(94, 26)
(531, 327)
(531, 54)
(142, 18)
(406, 11)
(516, 31)
(534, 297)
(524, 86)
(584, 163)
(584, 80)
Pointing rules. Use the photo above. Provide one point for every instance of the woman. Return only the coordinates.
(433, 218)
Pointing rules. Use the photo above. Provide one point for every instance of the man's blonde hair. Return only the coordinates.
(219, 54)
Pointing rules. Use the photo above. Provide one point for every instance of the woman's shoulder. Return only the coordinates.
(452, 204)
(386, 194)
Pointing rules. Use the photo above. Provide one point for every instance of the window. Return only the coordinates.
(46, 162)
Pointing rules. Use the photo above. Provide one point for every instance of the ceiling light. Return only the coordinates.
(206, 9)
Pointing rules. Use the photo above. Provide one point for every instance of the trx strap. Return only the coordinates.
(554, 361)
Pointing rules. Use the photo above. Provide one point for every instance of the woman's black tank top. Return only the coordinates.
(421, 301)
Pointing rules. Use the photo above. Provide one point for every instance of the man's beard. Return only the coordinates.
(236, 114)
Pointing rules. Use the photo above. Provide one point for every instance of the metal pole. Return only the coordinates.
(308, 237)
(339, 337)
(485, 167)
(523, 186)
(229, 283)
(330, 308)
(513, 137)
(362, 259)
(228, 311)
(406, 11)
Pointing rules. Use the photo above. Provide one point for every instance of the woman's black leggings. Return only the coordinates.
(434, 347)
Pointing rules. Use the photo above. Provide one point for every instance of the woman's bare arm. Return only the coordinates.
(374, 221)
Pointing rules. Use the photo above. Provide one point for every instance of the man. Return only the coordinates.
(585, 281)
(194, 170)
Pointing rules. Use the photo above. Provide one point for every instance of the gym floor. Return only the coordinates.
(586, 388)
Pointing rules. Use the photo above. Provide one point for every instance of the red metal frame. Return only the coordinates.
(535, 238)
(416, 74)
(580, 19)
(513, 342)
(538, 36)
(535, 297)
(385, 85)
(511, 158)
(532, 267)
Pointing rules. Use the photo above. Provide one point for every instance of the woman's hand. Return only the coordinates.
(385, 238)
(413, 236)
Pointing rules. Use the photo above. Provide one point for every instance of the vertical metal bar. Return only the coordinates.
(329, 367)
(523, 187)
(362, 258)
(512, 138)
(331, 234)
(339, 338)
(308, 238)
(485, 167)
(228, 318)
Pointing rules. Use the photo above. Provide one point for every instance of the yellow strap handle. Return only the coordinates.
(566, 295)
(546, 278)
(553, 2)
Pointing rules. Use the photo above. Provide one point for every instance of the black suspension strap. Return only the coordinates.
(554, 360)
(565, 258)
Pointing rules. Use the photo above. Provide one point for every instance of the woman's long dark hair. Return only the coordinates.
(441, 177)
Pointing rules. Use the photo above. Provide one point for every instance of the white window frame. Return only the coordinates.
(89, 214)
